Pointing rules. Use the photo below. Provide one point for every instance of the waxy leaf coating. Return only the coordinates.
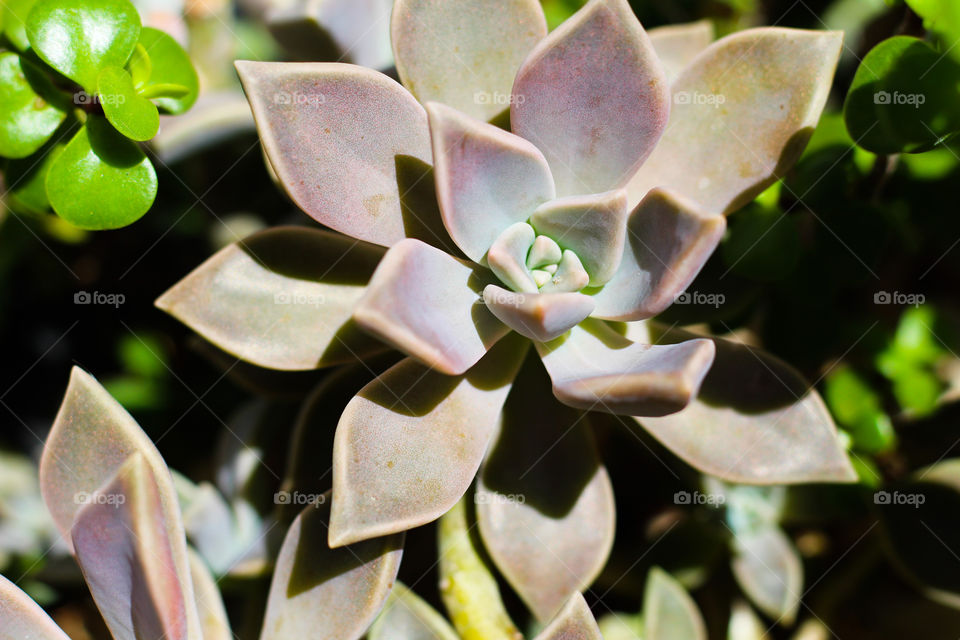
(30, 109)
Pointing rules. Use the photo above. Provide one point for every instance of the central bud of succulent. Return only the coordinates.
(530, 263)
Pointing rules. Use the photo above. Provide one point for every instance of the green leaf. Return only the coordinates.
(905, 97)
(139, 66)
(30, 110)
(14, 14)
(171, 66)
(763, 244)
(27, 179)
(101, 180)
(132, 115)
(855, 405)
(79, 38)
(941, 17)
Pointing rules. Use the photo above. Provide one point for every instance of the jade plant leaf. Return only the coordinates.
(13, 16)
(544, 501)
(669, 613)
(139, 65)
(132, 115)
(123, 546)
(406, 616)
(281, 299)
(427, 304)
(410, 443)
(678, 44)
(323, 593)
(173, 84)
(322, 126)
(79, 38)
(573, 622)
(769, 570)
(28, 178)
(101, 180)
(742, 114)
(593, 97)
(755, 420)
(941, 17)
(30, 109)
(596, 369)
(94, 442)
(464, 54)
(21, 617)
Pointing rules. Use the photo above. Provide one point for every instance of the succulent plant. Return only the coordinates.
(460, 244)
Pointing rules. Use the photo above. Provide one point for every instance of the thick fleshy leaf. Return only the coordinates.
(281, 299)
(597, 369)
(594, 227)
(428, 305)
(573, 622)
(133, 116)
(593, 97)
(669, 239)
(669, 613)
(213, 616)
(79, 38)
(409, 444)
(13, 15)
(21, 617)
(487, 179)
(170, 65)
(328, 594)
(745, 624)
(770, 572)
(544, 501)
(508, 257)
(406, 616)
(101, 180)
(91, 439)
(742, 114)
(325, 130)
(30, 110)
(538, 316)
(464, 54)
(755, 421)
(678, 44)
(123, 547)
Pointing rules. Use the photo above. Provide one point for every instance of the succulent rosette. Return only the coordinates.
(471, 248)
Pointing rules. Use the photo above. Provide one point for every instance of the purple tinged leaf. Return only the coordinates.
(328, 594)
(487, 179)
(464, 54)
(341, 138)
(743, 112)
(573, 622)
(544, 501)
(91, 440)
(669, 239)
(21, 617)
(538, 316)
(678, 44)
(756, 420)
(596, 369)
(281, 299)
(427, 304)
(768, 568)
(213, 616)
(410, 443)
(406, 616)
(669, 613)
(593, 97)
(123, 547)
(594, 227)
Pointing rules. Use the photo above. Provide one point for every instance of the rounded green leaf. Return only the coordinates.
(132, 115)
(27, 116)
(170, 66)
(904, 97)
(13, 13)
(101, 180)
(139, 65)
(79, 38)
(27, 178)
